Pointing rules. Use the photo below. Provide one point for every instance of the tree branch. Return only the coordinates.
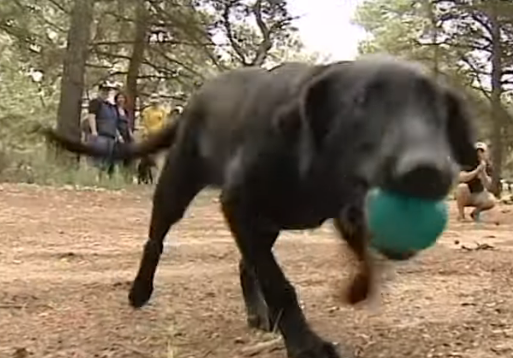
(176, 62)
(239, 52)
(94, 65)
(266, 43)
(482, 90)
(177, 20)
(40, 17)
(212, 56)
(170, 72)
(109, 54)
(29, 39)
(59, 6)
(165, 42)
(117, 16)
(474, 16)
(455, 43)
(481, 87)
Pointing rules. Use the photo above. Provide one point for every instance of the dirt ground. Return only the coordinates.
(67, 258)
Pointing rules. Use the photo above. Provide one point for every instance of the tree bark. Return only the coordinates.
(137, 57)
(72, 82)
(430, 8)
(74, 65)
(496, 104)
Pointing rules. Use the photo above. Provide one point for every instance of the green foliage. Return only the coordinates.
(186, 42)
(440, 37)
(38, 31)
(396, 27)
(456, 39)
(250, 29)
(37, 167)
(403, 28)
(24, 103)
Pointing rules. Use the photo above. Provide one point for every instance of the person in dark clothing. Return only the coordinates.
(124, 118)
(475, 183)
(125, 129)
(103, 121)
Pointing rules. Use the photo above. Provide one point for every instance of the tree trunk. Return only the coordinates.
(497, 115)
(434, 38)
(72, 82)
(136, 59)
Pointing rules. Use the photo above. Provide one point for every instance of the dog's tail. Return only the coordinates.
(156, 142)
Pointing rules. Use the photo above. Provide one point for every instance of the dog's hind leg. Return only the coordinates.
(257, 311)
(150, 176)
(180, 181)
(255, 239)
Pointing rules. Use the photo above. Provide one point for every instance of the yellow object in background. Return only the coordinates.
(153, 119)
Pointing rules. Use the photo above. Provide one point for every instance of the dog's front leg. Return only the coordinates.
(255, 240)
(256, 307)
(351, 226)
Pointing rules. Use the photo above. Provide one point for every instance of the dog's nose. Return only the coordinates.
(429, 178)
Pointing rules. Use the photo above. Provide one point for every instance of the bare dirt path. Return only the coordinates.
(67, 257)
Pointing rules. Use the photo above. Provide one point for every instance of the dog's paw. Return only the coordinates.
(360, 289)
(260, 322)
(140, 293)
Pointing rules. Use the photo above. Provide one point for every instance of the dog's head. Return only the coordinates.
(385, 121)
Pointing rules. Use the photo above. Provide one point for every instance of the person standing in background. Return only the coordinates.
(125, 129)
(125, 120)
(153, 118)
(103, 123)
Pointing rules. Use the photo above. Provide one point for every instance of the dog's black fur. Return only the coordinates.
(291, 148)
(145, 169)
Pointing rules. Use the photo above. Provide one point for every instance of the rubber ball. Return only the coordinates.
(403, 224)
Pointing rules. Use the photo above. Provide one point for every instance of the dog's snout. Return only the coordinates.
(424, 178)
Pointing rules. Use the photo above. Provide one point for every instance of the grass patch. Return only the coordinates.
(40, 167)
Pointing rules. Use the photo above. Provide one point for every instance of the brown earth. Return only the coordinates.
(67, 257)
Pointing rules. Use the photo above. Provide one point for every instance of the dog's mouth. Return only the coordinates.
(422, 184)
(428, 179)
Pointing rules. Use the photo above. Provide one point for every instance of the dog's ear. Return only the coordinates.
(306, 119)
(316, 108)
(310, 110)
(287, 120)
(460, 130)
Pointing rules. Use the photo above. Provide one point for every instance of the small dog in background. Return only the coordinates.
(145, 170)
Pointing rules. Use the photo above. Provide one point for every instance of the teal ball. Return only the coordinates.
(402, 224)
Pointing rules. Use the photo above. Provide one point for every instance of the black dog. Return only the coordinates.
(145, 170)
(291, 148)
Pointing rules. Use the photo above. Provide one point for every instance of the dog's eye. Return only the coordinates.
(374, 91)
